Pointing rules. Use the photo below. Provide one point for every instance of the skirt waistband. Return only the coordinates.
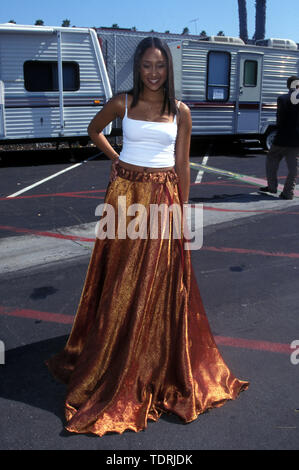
(147, 176)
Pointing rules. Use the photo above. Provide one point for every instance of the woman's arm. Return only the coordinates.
(182, 151)
(113, 108)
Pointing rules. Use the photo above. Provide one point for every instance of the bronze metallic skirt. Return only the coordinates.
(141, 343)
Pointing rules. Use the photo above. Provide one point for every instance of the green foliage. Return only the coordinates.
(66, 23)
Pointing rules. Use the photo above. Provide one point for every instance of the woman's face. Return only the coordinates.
(153, 69)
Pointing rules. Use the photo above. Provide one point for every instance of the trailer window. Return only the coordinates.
(43, 76)
(218, 76)
(250, 73)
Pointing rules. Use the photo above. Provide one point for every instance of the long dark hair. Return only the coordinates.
(169, 97)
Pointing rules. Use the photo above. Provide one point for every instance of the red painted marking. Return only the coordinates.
(45, 234)
(76, 193)
(68, 194)
(84, 196)
(92, 240)
(36, 315)
(220, 340)
(221, 183)
(225, 249)
(263, 211)
(83, 193)
(253, 344)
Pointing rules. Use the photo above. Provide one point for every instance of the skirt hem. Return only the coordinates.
(216, 404)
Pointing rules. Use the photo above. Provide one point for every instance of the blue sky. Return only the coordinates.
(160, 15)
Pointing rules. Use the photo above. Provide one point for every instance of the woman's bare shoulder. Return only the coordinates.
(184, 112)
(182, 107)
(117, 102)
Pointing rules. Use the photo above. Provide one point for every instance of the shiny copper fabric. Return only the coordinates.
(140, 344)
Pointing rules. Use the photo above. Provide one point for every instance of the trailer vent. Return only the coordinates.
(225, 39)
(278, 43)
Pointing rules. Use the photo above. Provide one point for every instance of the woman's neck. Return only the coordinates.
(152, 96)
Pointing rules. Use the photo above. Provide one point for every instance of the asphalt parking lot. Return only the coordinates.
(247, 271)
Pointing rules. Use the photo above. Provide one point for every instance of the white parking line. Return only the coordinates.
(204, 162)
(201, 172)
(52, 176)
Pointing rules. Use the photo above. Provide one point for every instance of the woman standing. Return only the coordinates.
(141, 344)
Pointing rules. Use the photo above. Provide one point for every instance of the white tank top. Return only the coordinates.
(147, 143)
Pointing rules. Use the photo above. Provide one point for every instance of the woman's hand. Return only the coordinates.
(113, 172)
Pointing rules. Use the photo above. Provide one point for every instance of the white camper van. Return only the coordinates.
(232, 87)
(53, 80)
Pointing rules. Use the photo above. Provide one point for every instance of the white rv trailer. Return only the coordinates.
(232, 87)
(53, 80)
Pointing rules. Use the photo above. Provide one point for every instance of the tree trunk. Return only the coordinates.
(260, 19)
(243, 20)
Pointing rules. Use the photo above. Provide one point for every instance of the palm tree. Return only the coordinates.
(66, 23)
(39, 23)
(220, 33)
(203, 34)
(243, 20)
(185, 30)
(260, 19)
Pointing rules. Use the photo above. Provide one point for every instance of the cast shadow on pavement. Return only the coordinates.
(238, 197)
(25, 378)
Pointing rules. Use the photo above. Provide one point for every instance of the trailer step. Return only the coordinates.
(251, 144)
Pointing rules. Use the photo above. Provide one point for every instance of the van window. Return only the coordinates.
(218, 76)
(250, 73)
(43, 76)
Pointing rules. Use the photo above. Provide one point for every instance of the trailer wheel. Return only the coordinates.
(268, 138)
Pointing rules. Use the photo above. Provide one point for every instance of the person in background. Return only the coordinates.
(286, 142)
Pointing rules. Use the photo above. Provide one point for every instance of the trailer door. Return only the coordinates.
(2, 110)
(249, 90)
